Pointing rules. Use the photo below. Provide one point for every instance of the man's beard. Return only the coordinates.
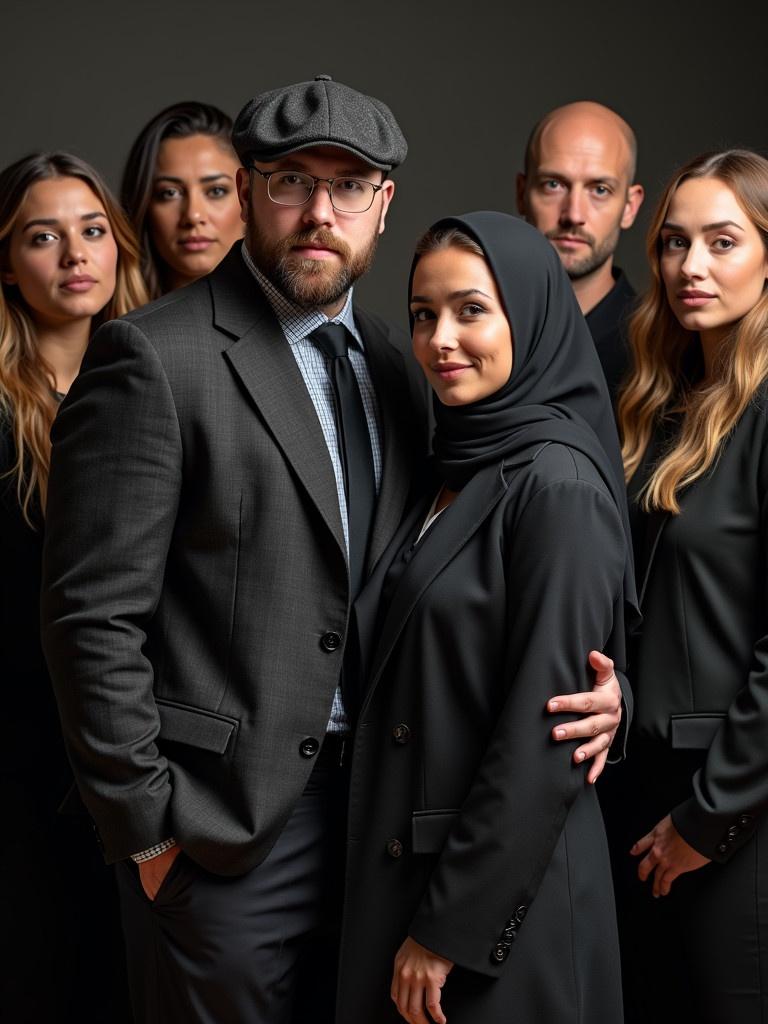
(307, 282)
(594, 259)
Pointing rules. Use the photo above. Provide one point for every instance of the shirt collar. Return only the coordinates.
(296, 322)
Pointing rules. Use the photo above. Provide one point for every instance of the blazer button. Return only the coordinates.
(330, 641)
(394, 848)
(309, 747)
(510, 932)
(520, 914)
(401, 734)
(745, 819)
(500, 952)
(733, 831)
(722, 848)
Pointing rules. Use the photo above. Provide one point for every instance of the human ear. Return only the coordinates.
(387, 191)
(635, 196)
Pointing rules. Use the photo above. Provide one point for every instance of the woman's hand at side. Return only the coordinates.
(667, 855)
(417, 982)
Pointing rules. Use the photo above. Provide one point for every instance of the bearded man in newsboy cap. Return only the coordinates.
(227, 468)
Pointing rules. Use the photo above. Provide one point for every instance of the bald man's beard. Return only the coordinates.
(310, 283)
(597, 255)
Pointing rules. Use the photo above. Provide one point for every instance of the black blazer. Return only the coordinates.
(195, 580)
(700, 668)
(469, 828)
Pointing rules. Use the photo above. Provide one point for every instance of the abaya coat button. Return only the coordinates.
(401, 734)
(394, 848)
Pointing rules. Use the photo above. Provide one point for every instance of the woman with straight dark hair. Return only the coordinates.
(179, 192)
(694, 420)
(68, 262)
(478, 879)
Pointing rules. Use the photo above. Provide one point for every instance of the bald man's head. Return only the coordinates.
(584, 116)
(578, 186)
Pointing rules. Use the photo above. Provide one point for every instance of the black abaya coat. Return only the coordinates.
(469, 827)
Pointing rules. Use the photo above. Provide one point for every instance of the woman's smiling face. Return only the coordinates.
(461, 335)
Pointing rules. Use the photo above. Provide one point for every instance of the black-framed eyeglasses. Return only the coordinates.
(294, 188)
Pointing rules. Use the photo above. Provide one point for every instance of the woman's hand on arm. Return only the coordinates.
(667, 856)
(417, 982)
(601, 707)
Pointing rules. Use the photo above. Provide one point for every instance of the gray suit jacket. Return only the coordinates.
(194, 568)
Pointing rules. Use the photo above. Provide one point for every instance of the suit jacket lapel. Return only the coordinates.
(387, 370)
(261, 358)
(472, 506)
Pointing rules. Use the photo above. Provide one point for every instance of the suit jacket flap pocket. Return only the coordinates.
(429, 830)
(197, 728)
(694, 732)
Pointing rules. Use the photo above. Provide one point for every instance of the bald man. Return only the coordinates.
(578, 189)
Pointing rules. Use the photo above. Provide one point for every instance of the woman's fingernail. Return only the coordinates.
(560, 733)
(580, 755)
(553, 705)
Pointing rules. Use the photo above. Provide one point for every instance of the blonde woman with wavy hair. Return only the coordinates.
(694, 422)
(68, 261)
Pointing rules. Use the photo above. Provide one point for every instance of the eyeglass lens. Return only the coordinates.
(348, 195)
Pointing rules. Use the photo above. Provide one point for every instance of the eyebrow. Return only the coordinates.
(463, 294)
(705, 227)
(49, 222)
(542, 175)
(205, 179)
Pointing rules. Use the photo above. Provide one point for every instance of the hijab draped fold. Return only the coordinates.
(556, 391)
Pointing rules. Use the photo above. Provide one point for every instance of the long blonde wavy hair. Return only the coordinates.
(658, 385)
(27, 402)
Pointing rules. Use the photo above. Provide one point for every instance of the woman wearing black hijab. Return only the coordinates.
(478, 881)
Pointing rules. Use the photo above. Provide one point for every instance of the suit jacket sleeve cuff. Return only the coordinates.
(717, 836)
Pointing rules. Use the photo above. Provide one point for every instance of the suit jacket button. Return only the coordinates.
(745, 820)
(309, 747)
(500, 952)
(401, 734)
(733, 831)
(722, 848)
(394, 848)
(330, 641)
(520, 913)
(510, 932)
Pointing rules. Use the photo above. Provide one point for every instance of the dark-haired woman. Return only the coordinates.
(694, 419)
(179, 192)
(478, 885)
(68, 261)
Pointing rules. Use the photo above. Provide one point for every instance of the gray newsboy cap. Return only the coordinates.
(318, 113)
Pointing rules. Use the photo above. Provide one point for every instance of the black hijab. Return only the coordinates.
(556, 391)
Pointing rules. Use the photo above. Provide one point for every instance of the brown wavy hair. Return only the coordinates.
(658, 384)
(27, 382)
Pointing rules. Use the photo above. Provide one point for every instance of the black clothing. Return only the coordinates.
(700, 737)
(607, 322)
(469, 828)
(62, 952)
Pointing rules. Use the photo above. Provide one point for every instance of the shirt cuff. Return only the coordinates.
(153, 851)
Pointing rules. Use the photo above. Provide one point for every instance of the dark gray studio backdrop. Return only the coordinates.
(466, 81)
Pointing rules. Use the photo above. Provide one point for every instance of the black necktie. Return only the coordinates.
(355, 446)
